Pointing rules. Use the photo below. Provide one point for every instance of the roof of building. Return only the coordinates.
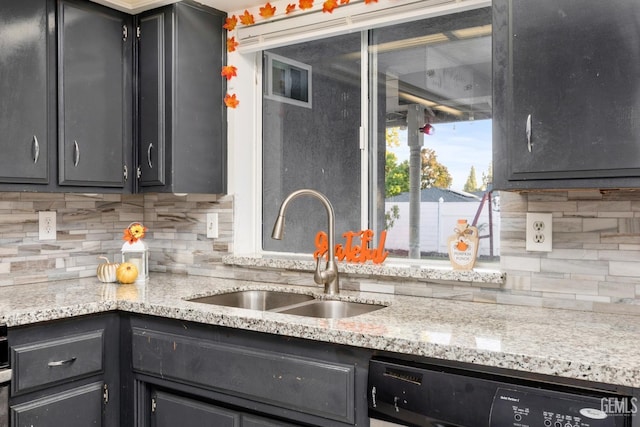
(434, 194)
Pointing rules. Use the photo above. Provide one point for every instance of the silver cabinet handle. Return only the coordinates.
(76, 153)
(61, 362)
(528, 130)
(35, 149)
(373, 397)
(149, 155)
(125, 172)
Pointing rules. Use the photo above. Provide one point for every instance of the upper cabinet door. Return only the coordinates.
(94, 95)
(182, 120)
(152, 96)
(566, 93)
(27, 90)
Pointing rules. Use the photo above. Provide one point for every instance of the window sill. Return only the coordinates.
(390, 269)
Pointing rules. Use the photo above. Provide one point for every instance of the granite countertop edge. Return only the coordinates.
(579, 345)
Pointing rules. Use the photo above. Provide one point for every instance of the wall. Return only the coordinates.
(594, 264)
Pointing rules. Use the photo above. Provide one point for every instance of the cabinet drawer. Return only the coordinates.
(78, 407)
(311, 386)
(43, 363)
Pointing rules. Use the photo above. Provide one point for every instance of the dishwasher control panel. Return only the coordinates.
(524, 406)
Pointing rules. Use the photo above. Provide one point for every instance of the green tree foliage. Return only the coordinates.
(434, 174)
(472, 184)
(396, 176)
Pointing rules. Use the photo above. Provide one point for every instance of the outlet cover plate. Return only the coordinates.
(539, 232)
(212, 225)
(47, 225)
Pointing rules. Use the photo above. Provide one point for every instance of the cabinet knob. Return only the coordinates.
(528, 130)
(35, 149)
(76, 153)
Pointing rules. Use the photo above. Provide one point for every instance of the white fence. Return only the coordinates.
(437, 224)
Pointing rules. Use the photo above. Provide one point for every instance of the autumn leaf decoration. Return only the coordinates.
(231, 101)
(229, 71)
(247, 18)
(329, 5)
(267, 11)
(305, 4)
(230, 23)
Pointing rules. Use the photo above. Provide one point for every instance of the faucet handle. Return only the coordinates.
(317, 276)
(326, 276)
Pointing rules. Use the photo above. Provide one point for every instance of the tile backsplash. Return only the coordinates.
(593, 266)
(91, 225)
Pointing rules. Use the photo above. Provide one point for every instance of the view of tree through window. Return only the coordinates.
(428, 145)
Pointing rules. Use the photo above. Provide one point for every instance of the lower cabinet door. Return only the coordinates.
(78, 407)
(169, 410)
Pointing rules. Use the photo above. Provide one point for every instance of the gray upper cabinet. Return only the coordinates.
(566, 94)
(182, 119)
(94, 95)
(27, 90)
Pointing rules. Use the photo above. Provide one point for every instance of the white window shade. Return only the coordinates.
(355, 16)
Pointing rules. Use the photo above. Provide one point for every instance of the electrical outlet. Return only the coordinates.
(47, 225)
(539, 232)
(212, 225)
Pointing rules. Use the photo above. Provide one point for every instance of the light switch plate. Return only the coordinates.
(212, 225)
(539, 233)
(47, 225)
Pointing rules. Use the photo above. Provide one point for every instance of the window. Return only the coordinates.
(411, 154)
(287, 80)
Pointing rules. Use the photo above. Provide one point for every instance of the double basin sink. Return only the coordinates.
(289, 303)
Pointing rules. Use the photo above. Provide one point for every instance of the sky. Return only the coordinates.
(458, 146)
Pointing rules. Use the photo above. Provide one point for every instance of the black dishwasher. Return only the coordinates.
(440, 396)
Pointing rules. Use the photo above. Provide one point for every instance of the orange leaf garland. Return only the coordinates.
(246, 18)
(290, 8)
(267, 11)
(370, 1)
(229, 71)
(232, 44)
(230, 23)
(231, 101)
(344, 1)
(329, 5)
(306, 4)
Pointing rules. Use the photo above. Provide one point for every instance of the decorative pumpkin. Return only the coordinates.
(127, 273)
(107, 270)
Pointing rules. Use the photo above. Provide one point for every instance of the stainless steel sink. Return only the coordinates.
(288, 303)
(255, 299)
(331, 309)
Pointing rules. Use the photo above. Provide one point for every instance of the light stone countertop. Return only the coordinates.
(579, 345)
